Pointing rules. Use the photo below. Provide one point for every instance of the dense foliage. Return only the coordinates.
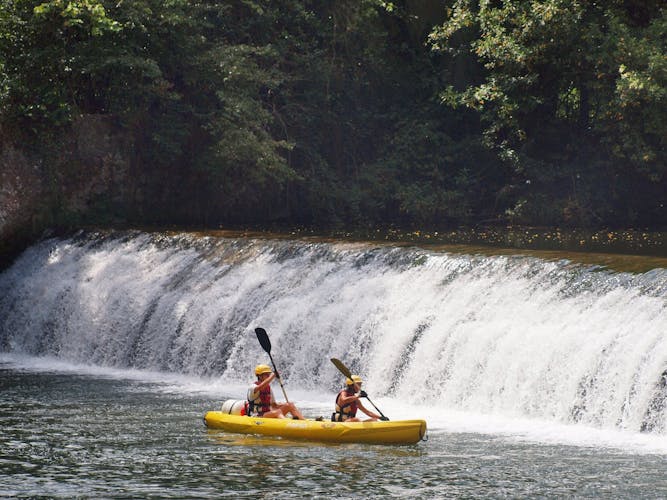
(573, 97)
(436, 113)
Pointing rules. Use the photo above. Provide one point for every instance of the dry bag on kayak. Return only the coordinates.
(234, 407)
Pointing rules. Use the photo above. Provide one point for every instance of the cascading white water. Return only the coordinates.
(506, 335)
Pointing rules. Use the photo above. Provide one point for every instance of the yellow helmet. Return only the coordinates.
(259, 369)
(356, 379)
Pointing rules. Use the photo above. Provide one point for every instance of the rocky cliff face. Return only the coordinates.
(43, 185)
(21, 190)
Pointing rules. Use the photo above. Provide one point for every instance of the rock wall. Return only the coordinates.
(21, 189)
(44, 185)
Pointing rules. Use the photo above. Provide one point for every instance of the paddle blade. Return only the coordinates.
(263, 338)
(341, 367)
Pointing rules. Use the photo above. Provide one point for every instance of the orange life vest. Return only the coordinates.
(259, 406)
(347, 410)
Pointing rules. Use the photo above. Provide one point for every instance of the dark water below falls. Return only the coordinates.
(76, 434)
(537, 376)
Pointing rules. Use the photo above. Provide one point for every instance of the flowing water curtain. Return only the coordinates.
(507, 335)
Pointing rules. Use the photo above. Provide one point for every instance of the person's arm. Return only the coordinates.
(346, 399)
(265, 382)
(366, 411)
(253, 392)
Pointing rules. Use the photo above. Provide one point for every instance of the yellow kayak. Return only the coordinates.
(387, 432)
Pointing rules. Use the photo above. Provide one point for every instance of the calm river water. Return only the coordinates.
(68, 433)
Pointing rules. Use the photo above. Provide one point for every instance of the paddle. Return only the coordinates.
(345, 371)
(264, 341)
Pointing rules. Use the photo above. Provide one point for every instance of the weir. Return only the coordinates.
(510, 335)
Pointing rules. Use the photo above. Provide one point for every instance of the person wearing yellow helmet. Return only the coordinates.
(348, 402)
(261, 402)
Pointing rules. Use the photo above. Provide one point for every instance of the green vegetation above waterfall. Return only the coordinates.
(432, 114)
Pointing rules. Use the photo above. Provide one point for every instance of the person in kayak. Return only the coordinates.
(261, 402)
(347, 402)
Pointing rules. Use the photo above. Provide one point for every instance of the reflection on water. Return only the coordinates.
(68, 435)
(229, 439)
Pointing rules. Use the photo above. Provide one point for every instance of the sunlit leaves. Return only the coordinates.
(87, 15)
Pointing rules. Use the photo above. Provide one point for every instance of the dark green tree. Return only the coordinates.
(573, 97)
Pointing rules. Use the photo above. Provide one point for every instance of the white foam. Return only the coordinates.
(513, 340)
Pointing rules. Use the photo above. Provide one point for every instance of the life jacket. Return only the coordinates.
(346, 411)
(258, 407)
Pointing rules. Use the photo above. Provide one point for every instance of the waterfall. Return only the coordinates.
(510, 335)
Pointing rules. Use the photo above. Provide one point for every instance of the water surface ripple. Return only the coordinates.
(75, 435)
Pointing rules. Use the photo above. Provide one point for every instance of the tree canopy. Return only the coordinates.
(436, 113)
